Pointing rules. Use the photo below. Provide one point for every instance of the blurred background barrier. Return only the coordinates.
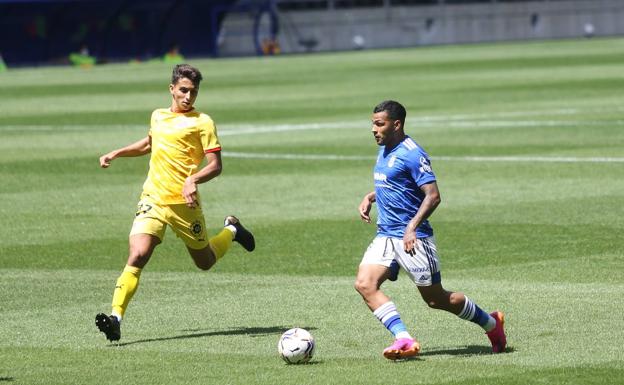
(35, 32)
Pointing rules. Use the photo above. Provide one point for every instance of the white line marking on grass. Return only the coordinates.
(520, 123)
(255, 155)
(262, 129)
(416, 123)
(536, 159)
(503, 114)
(451, 120)
(77, 127)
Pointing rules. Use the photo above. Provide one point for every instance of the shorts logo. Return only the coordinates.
(423, 278)
(196, 228)
(143, 208)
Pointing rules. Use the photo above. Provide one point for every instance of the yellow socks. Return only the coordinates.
(220, 243)
(127, 284)
(128, 281)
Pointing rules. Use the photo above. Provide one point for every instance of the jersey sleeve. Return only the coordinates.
(420, 168)
(209, 138)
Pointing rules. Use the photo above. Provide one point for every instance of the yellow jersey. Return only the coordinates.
(179, 144)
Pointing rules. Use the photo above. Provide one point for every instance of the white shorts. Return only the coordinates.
(423, 267)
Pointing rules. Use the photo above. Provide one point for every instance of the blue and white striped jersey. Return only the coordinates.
(398, 174)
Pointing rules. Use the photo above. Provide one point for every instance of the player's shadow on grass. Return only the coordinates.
(6, 379)
(250, 332)
(470, 350)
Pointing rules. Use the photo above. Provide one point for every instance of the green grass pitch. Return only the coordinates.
(527, 141)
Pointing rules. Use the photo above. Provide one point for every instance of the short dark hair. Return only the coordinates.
(186, 71)
(395, 110)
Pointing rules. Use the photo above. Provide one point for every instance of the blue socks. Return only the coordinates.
(388, 315)
(473, 313)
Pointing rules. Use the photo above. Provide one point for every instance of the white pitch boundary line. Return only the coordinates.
(480, 120)
(424, 121)
(414, 124)
(233, 130)
(521, 123)
(262, 129)
(534, 159)
(255, 155)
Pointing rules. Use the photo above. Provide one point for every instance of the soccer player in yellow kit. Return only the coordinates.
(179, 139)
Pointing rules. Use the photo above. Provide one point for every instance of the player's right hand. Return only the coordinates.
(189, 192)
(364, 210)
(105, 160)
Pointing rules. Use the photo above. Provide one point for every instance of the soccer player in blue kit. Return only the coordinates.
(406, 194)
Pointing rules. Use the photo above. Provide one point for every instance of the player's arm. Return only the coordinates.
(211, 170)
(138, 148)
(365, 206)
(430, 202)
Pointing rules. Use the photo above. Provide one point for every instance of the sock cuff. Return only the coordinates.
(117, 315)
(133, 270)
(232, 230)
(469, 309)
(384, 309)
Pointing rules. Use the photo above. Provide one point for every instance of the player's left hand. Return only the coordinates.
(189, 192)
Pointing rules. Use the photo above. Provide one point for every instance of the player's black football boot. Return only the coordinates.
(243, 236)
(109, 325)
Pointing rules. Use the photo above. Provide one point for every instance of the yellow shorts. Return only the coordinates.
(188, 223)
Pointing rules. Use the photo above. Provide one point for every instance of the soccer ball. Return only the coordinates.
(296, 346)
